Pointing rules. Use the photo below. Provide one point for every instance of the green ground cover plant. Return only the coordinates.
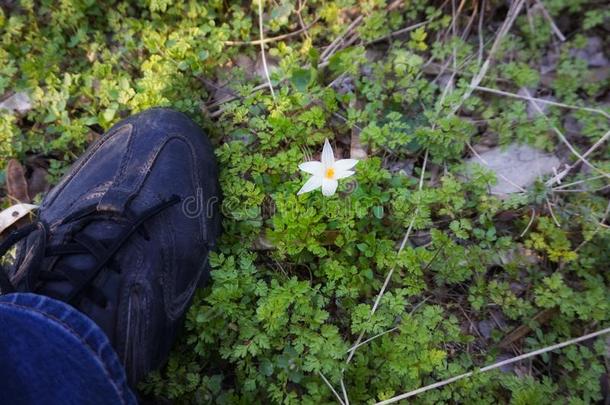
(472, 278)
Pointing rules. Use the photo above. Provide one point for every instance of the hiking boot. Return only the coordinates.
(125, 235)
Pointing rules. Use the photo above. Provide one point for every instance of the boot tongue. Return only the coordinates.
(78, 266)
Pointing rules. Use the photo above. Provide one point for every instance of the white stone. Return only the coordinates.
(18, 102)
(521, 164)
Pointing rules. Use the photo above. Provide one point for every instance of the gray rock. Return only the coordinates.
(17, 103)
(535, 108)
(344, 85)
(593, 52)
(598, 60)
(272, 65)
(521, 164)
(485, 327)
(572, 125)
(517, 288)
(404, 167)
(447, 82)
(548, 62)
(594, 44)
(507, 368)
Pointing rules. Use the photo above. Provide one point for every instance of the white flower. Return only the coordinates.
(326, 173)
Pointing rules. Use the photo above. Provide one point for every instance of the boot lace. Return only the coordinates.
(77, 243)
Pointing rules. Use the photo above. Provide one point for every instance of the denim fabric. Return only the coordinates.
(52, 354)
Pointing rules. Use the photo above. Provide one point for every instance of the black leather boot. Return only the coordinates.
(125, 236)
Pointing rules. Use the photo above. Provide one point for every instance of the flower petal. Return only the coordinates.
(329, 186)
(313, 167)
(328, 157)
(345, 164)
(344, 174)
(311, 184)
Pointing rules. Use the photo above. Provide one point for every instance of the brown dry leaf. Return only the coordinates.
(523, 330)
(16, 184)
(37, 181)
(12, 215)
(356, 150)
(262, 243)
(329, 238)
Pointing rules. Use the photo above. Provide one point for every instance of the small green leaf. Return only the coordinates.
(109, 113)
(314, 57)
(301, 78)
(266, 367)
(378, 211)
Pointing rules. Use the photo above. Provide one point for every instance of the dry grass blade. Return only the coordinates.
(391, 272)
(529, 224)
(389, 330)
(399, 32)
(331, 388)
(333, 46)
(574, 183)
(534, 100)
(262, 43)
(512, 14)
(535, 104)
(273, 39)
(550, 207)
(561, 136)
(548, 17)
(494, 366)
(301, 6)
(345, 397)
(306, 153)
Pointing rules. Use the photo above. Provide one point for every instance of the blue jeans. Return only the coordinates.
(52, 354)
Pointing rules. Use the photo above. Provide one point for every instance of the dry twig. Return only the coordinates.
(548, 17)
(331, 388)
(262, 43)
(512, 14)
(273, 39)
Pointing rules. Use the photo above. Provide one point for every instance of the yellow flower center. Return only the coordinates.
(330, 173)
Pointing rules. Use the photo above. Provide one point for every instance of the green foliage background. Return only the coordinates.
(278, 317)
